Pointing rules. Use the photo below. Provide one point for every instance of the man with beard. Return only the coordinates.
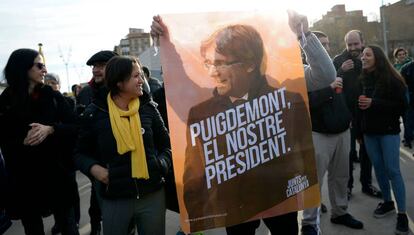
(98, 63)
(349, 66)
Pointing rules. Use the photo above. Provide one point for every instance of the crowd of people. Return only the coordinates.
(115, 131)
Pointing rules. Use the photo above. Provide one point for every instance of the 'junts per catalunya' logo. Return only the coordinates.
(296, 185)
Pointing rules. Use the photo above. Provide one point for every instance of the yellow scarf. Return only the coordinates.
(128, 135)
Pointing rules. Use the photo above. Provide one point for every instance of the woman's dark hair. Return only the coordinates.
(384, 71)
(119, 69)
(16, 70)
(146, 71)
(73, 88)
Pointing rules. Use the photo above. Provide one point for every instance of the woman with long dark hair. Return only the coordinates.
(34, 121)
(123, 144)
(381, 103)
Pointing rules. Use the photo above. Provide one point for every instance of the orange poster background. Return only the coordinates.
(180, 56)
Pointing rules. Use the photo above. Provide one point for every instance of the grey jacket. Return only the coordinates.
(320, 71)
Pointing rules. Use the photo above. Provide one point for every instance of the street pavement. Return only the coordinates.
(361, 207)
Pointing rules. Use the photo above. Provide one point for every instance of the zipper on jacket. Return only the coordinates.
(136, 187)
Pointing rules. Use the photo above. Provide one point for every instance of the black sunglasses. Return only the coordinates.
(40, 65)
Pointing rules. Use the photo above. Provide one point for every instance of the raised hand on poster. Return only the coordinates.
(158, 28)
(298, 23)
(242, 140)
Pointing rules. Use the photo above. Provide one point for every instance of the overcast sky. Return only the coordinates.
(76, 29)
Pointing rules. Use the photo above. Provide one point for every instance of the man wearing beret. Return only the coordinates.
(86, 95)
(98, 63)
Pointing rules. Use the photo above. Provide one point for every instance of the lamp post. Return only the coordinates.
(384, 27)
(41, 52)
(66, 63)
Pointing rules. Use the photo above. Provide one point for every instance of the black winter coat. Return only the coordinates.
(388, 105)
(329, 112)
(350, 78)
(97, 145)
(159, 98)
(407, 71)
(39, 177)
(87, 95)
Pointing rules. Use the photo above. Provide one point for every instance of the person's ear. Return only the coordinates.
(120, 86)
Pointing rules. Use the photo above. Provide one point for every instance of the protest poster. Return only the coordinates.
(238, 115)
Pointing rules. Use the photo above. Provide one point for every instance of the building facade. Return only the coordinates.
(399, 24)
(136, 42)
(398, 18)
(152, 60)
(337, 22)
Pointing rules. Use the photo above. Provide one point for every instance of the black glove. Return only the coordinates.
(165, 164)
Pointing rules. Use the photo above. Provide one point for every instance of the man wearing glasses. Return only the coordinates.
(242, 184)
(98, 63)
(233, 57)
(86, 95)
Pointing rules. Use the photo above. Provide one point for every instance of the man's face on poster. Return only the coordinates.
(231, 76)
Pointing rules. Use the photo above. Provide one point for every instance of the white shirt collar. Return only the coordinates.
(245, 97)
